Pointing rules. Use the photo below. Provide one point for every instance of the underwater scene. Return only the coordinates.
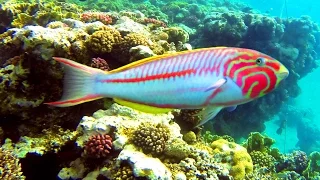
(159, 90)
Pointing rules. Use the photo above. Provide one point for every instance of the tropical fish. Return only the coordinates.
(210, 79)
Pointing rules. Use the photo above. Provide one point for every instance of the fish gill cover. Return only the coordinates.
(117, 142)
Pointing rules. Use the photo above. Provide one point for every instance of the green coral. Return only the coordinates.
(176, 34)
(258, 142)
(313, 169)
(209, 138)
(190, 137)
(151, 138)
(178, 150)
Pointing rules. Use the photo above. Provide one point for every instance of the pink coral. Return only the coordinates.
(100, 63)
(96, 16)
(154, 21)
(98, 146)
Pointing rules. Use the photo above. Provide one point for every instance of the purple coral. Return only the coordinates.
(100, 63)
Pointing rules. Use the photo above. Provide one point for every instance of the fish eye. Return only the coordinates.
(260, 61)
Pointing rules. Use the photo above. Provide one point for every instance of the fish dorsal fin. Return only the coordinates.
(208, 113)
(156, 58)
(142, 107)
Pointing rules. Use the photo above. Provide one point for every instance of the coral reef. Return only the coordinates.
(50, 141)
(100, 64)
(151, 138)
(237, 157)
(9, 166)
(98, 146)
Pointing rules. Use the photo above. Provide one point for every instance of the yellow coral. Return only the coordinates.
(131, 40)
(9, 166)
(103, 41)
(235, 156)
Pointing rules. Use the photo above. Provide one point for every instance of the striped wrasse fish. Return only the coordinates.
(210, 79)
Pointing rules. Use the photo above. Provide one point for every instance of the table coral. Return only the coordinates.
(237, 157)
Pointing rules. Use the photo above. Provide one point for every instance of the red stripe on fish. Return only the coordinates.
(75, 101)
(151, 77)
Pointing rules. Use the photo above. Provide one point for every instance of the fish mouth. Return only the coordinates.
(283, 73)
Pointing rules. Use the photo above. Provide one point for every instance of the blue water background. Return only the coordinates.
(296, 8)
(308, 100)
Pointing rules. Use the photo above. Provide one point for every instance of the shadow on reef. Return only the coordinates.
(37, 167)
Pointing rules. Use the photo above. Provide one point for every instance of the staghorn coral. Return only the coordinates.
(151, 138)
(237, 157)
(263, 159)
(98, 146)
(10, 168)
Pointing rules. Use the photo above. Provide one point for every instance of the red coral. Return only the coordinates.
(96, 16)
(154, 21)
(98, 146)
(100, 64)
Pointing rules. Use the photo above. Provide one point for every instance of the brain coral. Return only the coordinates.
(151, 137)
(236, 156)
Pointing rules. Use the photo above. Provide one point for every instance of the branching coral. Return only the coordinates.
(151, 137)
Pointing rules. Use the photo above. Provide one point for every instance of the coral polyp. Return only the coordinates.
(98, 146)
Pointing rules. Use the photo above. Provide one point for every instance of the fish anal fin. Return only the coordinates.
(208, 113)
(142, 107)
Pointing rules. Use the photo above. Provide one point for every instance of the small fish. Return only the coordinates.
(281, 126)
(210, 79)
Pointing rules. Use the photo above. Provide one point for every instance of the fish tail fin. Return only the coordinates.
(79, 83)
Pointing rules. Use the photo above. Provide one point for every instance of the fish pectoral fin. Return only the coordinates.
(208, 113)
(217, 84)
(231, 108)
(142, 107)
